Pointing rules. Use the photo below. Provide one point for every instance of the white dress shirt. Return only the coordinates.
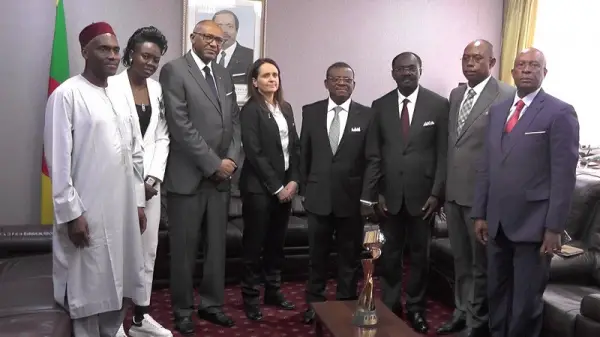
(228, 53)
(201, 65)
(478, 90)
(343, 115)
(284, 135)
(527, 100)
(412, 100)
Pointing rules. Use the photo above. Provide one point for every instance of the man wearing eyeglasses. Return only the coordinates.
(202, 115)
(410, 129)
(469, 106)
(333, 162)
(233, 56)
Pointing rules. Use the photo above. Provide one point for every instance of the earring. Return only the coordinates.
(130, 59)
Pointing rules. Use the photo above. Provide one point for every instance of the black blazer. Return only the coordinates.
(241, 60)
(332, 184)
(264, 166)
(413, 171)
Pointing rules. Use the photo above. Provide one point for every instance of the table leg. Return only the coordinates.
(318, 328)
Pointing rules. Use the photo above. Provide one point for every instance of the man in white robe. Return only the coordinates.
(95, 160)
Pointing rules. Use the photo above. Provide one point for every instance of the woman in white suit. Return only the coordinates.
(144, 95)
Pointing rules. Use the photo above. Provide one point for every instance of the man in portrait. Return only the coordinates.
(234, 57)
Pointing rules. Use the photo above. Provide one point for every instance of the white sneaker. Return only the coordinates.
(121, 332)
(149, 328)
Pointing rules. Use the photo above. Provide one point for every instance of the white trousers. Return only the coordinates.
(150, 242)
(105, 324)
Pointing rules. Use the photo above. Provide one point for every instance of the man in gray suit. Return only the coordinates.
(469, 105)
(202, 115)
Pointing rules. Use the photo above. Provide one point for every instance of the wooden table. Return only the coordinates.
(336, 316)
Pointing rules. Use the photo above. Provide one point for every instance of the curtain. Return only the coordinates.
(517, 34)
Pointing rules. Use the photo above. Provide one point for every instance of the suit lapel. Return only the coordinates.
(351, 120)
(220, 87)
(486, 98)
(419, 116)
(528, 116)
(156, 111)
(454, 110)
(199, 77)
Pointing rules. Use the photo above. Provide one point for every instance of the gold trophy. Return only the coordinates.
(365, 314)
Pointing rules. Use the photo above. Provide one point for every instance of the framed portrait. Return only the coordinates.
(243, 23)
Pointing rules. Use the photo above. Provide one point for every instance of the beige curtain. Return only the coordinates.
(517, 34)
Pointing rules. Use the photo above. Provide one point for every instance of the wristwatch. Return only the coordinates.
(150, 181)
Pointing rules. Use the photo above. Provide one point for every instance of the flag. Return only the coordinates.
(59, 72)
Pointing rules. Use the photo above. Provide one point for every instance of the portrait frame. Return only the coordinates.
(189, 19)
(244, 31)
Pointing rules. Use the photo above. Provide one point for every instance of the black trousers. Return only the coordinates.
(517, 278)
(265, 225)
(347, 233)
(401, 229)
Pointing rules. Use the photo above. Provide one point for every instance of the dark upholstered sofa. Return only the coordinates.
(572, 298)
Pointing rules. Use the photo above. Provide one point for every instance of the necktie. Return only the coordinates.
(404, 120)
(334, 129)
(465, 109)
(222, 60)
(512, 121)
(211, 81)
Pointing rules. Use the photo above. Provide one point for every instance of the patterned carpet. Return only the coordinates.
(277, 323)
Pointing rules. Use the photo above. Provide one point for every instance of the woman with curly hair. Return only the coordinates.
(141, 58)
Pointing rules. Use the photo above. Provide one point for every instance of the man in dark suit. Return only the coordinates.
(410, 129)
(332, 165)
(468, 120)
(235, 57)
(523, 195)
(202, 115)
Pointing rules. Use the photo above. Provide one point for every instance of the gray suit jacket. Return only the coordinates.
(464, 149)
(204, 129)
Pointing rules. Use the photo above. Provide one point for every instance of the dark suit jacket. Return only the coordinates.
(409, 172)
(264, 167)
(526, 178)
(464, 149)
(332, 184)
(204, 129)
(241, 60)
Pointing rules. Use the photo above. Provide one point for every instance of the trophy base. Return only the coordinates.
(365, 318)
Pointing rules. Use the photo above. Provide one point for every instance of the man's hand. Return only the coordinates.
(481, 231)
(283, 195)
(381, 208)
(142, 218)
(79, 232)
(551, 243)
(224, 171)
(430, 206)
(150, 191)
(292, 188)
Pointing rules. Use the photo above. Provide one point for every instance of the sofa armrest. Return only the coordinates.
(576, 270)
(590, 307)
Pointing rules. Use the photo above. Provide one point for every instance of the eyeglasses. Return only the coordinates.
(210, 38)
(344, 80)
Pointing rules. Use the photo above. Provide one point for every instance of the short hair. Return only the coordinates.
(338, 65)
(227, 11)
(142, 35)
(419, 62)
(253, 92)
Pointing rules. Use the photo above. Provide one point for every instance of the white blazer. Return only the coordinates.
(156, 138)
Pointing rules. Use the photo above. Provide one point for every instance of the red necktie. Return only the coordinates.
(512, 121)
(404, 120)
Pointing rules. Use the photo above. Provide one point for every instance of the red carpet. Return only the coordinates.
(277, 323)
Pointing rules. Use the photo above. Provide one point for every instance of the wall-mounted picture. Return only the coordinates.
(242, 22)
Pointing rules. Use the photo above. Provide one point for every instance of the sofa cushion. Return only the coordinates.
(585, 327)
(561, 306)
(590, 306)
(47, 324)
(25, 267)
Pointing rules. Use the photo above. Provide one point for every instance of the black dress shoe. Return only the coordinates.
(483, 331)
(253, 312)
(309, 316)
(216, 317)
(184, 325)
(279, 301)
(418, 322)
(453, 326)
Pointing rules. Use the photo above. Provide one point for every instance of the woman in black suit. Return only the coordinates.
(268, 182)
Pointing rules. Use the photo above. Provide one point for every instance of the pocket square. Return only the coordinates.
(238, 75)
(535, 132)
(229, 93)
(429, 123)
(357, 129)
